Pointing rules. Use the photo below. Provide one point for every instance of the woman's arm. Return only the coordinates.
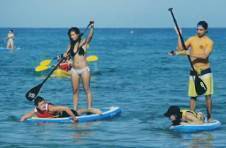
(87, 41)
(67, 51)
(13, 36)
(26, 116)
(90, 36)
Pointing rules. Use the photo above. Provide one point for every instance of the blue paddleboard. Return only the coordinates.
(208, 126)
(2, 48)
(9, 49)
(107, 114)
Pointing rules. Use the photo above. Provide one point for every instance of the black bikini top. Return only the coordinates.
(80, 52)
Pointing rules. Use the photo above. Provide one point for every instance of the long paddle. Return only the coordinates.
(200, 86)
(32, 93)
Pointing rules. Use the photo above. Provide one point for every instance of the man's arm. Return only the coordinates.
(26, 116)
(179, 44)
(61, 109)
(179, 52)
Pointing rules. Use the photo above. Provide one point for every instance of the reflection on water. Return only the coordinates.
(199, 140)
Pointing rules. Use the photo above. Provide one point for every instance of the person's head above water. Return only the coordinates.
(202, 28)
(40, 103)
(73, 33)
(174, 114)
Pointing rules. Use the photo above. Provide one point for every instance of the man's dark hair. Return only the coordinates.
(37, 100)
(204, 24)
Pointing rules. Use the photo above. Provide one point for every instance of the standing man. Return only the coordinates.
(10, 40)
(199, 48)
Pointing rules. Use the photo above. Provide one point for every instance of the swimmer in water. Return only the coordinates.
(10, 39)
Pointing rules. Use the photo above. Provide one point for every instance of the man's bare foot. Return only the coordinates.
(210, 120)
(201, 116)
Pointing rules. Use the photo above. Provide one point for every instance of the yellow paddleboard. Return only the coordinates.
(61, 73)
(41, 68)
(92, 58)
(46, 62)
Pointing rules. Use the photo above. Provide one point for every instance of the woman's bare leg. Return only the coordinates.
(75, 85)
(86, 85)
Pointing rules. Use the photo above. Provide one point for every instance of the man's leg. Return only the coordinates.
(208, 106)
(193, 103)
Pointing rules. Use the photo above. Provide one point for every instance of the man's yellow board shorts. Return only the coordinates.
(207, 77)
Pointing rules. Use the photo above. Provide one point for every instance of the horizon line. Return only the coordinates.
(106, 27)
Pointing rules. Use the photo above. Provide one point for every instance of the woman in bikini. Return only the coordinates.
(80, 69)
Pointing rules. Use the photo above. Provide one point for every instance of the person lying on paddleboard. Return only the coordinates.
(199, 47)
(43, 109)
(183, 116)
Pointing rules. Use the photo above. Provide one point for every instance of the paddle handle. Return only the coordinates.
(182, 39)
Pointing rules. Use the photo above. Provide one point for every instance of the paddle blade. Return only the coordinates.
(92, 58)
(46, 62)
(200, 86)
(32, 93)
(41, 68)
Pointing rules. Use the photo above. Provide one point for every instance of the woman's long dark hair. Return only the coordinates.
(72, 42)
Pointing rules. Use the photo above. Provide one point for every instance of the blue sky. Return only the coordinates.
(110, 13)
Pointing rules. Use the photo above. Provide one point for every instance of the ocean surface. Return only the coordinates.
(134, 72)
